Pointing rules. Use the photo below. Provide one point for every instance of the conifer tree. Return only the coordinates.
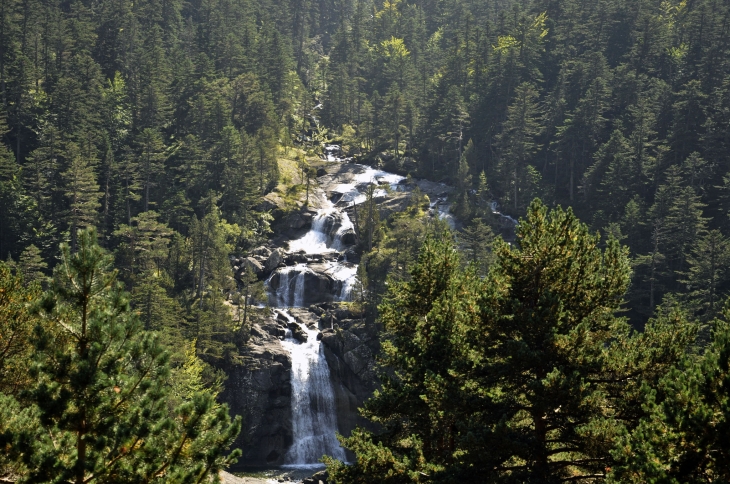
(517, 141)
(681, 437)
(706, 274)
(16, 330)
(477, 240)
(81, 190)
(99, 391)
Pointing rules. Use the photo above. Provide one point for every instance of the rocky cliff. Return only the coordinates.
(259, 388)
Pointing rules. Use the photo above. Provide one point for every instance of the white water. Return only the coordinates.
(314, 422)
(346, 275)
(290, 292)
(322, 237)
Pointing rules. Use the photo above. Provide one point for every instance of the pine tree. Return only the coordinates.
(100, 391)
(31, 264)
(16, 330)
(706, 274)
(526, 375)
(418, 407)
(151, 159)
(681, 438)
(82, 191)
(476, 242)
(517, 142)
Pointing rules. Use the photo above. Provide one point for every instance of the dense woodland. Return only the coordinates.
(145, 135)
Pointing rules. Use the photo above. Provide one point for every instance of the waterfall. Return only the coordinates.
(299, 290)
(314, 422)
(284, 296)
(346, 275)
(315, 241)
(314, 416)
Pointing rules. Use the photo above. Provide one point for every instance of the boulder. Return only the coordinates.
(275, 260)
(351, 255)
(296, 221)
(298, 333)
(262, 251)
(349, 237)
(321, 172)
(252, 265)
(297, 258)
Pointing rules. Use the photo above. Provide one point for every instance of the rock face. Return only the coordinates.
(252, 265)
(350, 350)
(259, 389)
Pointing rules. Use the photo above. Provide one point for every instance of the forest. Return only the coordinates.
(146, 145)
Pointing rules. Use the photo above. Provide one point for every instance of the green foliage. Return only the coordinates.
(680, 437)
(99, 391)
(17, 329)
(526, 375)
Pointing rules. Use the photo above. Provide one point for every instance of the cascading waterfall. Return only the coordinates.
(314, 422)
(290, 292)
(314, 417)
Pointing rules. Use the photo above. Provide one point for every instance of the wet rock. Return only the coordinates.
(318, 478)
(350, 352)
(352, 255)
(297, 258)
(297, 221)
(318, 285)
(305, 317)
(343, 312)
(298, 333)
(349, 237)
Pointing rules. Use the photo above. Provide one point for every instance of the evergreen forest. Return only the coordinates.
(148, 145)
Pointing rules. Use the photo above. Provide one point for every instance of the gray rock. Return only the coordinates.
(298, 333)
(296, 221)
(350, 354)
(259, 389)
(297, 258)
(349, 237)
(275, 259)
(318, 286)
(262, 251)
(253, 265)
